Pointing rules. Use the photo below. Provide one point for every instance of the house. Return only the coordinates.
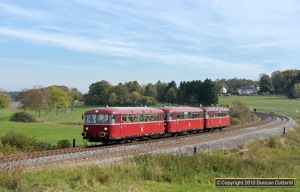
(223, 90)
(248, 90)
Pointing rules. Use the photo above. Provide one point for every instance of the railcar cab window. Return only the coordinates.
(99, 118)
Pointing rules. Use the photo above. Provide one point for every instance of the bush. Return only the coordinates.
(42, 146)
(18, 140)
(240, 111)
(22, 117)
(65, 143)
(235, 121)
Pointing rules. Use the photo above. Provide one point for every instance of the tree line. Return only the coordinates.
(133, 94)
(43, 98)
(281, 82)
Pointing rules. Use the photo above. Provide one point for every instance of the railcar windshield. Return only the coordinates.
(99, 118)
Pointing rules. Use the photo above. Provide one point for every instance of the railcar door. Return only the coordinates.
(142, 124)
(175, 122)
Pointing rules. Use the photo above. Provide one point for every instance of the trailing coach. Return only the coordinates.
(216, 117)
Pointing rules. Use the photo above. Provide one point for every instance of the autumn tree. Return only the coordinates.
(58, 98)
(33, 99)
(5, 99)
(112, 98)
(121, 93)
(74, 95)
(133, 98)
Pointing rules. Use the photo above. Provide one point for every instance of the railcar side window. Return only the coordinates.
(180, 115)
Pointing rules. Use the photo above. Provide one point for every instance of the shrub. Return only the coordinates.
(235, 121)
(22, 117)
(17, 140)
(42, 146)
(65, 143)
(240, 111)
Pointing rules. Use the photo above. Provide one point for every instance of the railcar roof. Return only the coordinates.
(214, 109)
(124, 110)
(181, 109)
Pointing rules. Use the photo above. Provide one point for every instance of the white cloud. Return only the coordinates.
(15, 10)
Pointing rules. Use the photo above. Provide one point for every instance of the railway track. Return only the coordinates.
(182, 144)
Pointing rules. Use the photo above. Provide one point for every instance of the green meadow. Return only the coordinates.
(51, 129)
(278, 104)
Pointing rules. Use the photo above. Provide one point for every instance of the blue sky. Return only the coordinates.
(76, 43)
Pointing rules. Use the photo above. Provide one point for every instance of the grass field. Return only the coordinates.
(279, 104)
(63, 126)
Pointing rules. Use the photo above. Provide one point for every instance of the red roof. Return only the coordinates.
(215, 109)
(181, 109)
(123, 110)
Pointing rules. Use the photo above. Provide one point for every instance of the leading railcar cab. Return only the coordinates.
(121, 123)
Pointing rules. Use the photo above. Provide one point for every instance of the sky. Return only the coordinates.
(79, 42)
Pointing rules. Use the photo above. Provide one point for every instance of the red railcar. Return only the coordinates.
(216, 117)
(179, 119)
(122, 123)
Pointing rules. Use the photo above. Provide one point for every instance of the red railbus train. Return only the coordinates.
(115, 124)
(122, 123)
(180, 119)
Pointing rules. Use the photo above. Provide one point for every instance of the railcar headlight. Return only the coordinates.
(105, 128)
(87, 128)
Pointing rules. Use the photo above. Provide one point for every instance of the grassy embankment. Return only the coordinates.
(274, 157)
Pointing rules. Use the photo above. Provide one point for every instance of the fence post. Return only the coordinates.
(283, 130)
(73, 142)
(195, 150)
